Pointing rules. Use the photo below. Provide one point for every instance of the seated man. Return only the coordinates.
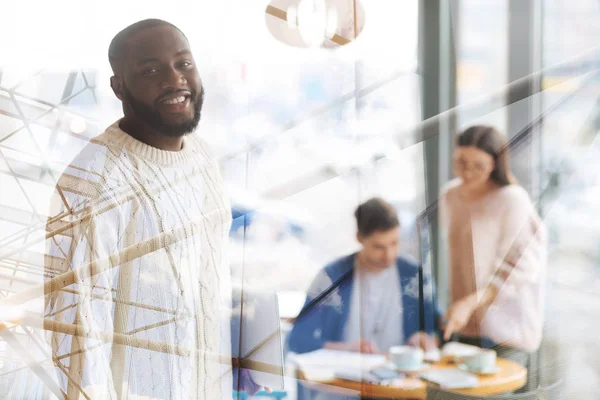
(367, 301)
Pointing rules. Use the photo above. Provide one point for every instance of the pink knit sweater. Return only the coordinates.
(497, 240)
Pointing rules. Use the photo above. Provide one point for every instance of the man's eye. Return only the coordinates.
(186, 64)
(150, 70)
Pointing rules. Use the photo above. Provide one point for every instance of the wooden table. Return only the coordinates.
(511, 376)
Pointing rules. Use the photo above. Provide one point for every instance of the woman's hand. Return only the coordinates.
(459, 314)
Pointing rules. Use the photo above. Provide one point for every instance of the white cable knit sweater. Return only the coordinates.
(163, 219)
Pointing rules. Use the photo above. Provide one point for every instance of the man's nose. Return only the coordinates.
(173, 79)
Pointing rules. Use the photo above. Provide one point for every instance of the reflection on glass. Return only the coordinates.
(482, 54)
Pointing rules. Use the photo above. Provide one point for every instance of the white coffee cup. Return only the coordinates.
(483, 360)
(406, 357)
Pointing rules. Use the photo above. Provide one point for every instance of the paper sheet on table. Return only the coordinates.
(335, 358)
(321, 365)
(318, 374)
(451, 378)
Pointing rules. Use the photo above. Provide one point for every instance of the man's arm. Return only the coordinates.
(85, 304)
(307, 333)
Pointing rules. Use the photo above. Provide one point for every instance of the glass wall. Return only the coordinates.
(559, 149)
(302, 135)
(570, 203)
(481, 55)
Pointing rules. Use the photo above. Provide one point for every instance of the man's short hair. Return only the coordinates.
(375, 215)
(117, 49)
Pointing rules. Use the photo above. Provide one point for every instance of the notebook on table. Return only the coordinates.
(450, 378)
(326, 364)
(356, 375)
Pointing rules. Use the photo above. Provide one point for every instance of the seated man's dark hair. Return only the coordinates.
(375, 215)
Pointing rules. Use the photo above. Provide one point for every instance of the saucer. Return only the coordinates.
(487, 371)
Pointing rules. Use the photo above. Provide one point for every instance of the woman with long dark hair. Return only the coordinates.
(497, 249)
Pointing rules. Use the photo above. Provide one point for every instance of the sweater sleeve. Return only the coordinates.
(307, 333)
(521, 254)
(78, 240)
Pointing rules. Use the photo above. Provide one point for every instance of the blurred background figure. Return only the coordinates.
(497, 252)
(367, 301)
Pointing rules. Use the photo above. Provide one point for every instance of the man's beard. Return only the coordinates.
(154, 120)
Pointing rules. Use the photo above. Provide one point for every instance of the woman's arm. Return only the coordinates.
(521, 252)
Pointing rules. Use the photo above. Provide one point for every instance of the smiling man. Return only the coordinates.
(156, 79)
(141, 215)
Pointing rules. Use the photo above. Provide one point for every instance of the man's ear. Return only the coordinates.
(359, 238)
(116, 83)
